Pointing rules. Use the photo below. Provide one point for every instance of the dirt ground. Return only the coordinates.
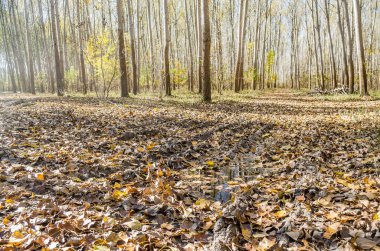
(271, 172)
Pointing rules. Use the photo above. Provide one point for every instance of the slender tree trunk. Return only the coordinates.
(7, 50)
(152, 59)
(191, 70)
(81, 54)
(360, 48)
(200, 43)
(344, 51)
(206, 52)
(256, 45)
(318, 27)
(47, 56)
(59, 75)
(350, 45)
(122, 58)
(32, 88)
(133, 50)
(168, 90)
(333, 65)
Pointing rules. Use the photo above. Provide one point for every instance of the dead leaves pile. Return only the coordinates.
(265, 174)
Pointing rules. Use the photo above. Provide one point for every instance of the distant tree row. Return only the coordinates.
(134, 46)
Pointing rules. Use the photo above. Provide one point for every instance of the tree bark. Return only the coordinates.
(58, 73)
(350, 45)
(122, 58)
(360, 48)
(206, 52)
(133, 50)
(333, 65)
(168, 90)
(344, 51)
(81, 54)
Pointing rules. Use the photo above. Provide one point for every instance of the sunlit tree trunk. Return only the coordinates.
(344, 51)
(350, 45)
(360, 48)
(133, 50)
(200, 42)
(152, 58)
(318, 28)
(332, 58)
(191, 59)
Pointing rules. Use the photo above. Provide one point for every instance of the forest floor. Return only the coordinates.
(272, 171)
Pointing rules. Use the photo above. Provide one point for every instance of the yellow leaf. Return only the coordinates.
(210, 163)
(266, 135)
(17, 239)
(40, 176)
(280, 214)
(233, 183)
(18, 235)
(6, 221)
(246, 231)
(117, 194)
(331, 230)
(150, 146)
(100, 248)
(160, 173)
(116, 186)
(376, 216)
(9, 201)
(203, 203)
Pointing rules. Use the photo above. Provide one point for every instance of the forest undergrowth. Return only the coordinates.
(274, 171)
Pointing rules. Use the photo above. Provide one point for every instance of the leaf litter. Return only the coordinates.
(276, 172)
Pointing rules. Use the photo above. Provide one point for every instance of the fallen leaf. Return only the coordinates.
(40, 176)
(331, 230)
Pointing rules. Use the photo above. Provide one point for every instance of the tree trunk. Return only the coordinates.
(200, 41)
(333, 65)
(318, 27)
(168, 90)
(206, 52)
(30, 50)
(350, 45)
(191, 60)
(360, 48)
(81, 54)
(58, 73)
(151, 42)
(122, 60)
(344, 51)
(133, 51)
